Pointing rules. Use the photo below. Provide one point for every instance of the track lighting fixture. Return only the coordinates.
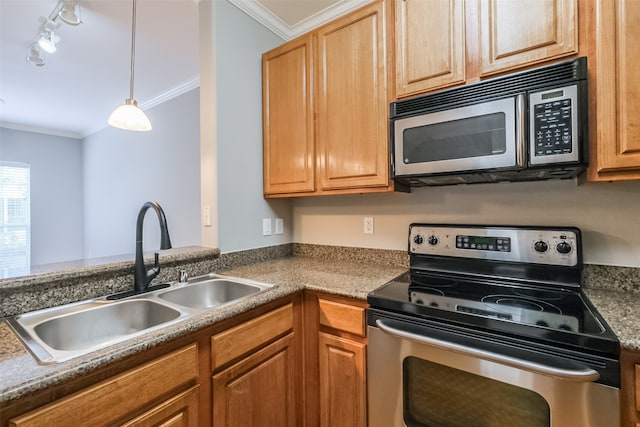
(67, 11)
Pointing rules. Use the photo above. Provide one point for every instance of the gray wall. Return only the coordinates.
(124, 169)
(239, 42)
(56, 192)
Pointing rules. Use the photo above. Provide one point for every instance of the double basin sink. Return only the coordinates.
(60, 333)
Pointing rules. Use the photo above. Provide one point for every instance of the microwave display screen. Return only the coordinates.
(555, 94)
(477, 137)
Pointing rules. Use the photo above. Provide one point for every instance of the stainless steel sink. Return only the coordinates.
(60, 333)
(212, 293)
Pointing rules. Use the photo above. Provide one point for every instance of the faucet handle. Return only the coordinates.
(156, 263)
(184, 277)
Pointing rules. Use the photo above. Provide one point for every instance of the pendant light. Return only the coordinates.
(128, 116)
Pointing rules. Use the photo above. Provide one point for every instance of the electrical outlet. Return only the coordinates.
(279, 226)
(266, 227)
(368, 225)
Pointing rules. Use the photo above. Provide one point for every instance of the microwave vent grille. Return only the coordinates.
(550, 76)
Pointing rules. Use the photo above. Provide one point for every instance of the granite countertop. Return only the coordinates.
(20, 374)
(620, 310)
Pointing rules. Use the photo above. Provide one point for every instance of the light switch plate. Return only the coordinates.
(279, 226)
(266, 227)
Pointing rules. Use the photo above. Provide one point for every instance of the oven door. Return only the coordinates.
(427, 377)
(483, 136)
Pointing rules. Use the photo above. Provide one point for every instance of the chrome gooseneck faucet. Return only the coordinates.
(144, 275)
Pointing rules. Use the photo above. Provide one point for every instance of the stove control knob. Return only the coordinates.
(540, 246)
(565, 327)
(542, 323)
(563, 247)
(432, 240)
(434, 304)
(418, 239)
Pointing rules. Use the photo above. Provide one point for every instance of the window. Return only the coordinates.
(15, 242)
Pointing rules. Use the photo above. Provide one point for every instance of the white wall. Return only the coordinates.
(124, 169)
(239, 42)
(56, 191)
(607, 213)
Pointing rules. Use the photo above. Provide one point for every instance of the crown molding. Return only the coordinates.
(264, 16)
(34, 129)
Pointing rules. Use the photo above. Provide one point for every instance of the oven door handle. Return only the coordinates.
(582, 375)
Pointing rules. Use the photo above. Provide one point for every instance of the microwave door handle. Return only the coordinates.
(583, 375)
(520, 130)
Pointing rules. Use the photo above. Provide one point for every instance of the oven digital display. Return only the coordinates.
(484, 243)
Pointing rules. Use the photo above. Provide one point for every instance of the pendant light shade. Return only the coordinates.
(129, 116)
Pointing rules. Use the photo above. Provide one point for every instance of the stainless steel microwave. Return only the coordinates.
(528, 126)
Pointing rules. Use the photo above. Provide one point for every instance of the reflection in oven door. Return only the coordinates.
(421, 378)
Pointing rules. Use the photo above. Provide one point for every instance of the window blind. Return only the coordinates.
(15, 242)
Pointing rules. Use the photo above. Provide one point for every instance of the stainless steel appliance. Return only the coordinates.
(490, 327)
(521, 127)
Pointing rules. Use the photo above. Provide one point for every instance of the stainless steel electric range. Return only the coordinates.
(490, 327)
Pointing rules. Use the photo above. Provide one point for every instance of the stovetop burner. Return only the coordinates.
(531, 291)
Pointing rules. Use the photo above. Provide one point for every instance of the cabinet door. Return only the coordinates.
(343, 387)
(430, 45)
(352, 101)
(525, 32)
(179, 411)
(259, 390)
(122, 395)
(288, 155)
(617, 94)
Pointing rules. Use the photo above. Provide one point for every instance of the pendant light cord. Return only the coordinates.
(133, 48)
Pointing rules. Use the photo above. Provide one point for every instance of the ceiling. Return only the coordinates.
(88, 76)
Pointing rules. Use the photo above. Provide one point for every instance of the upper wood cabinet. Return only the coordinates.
(348, 150)
(525, 32)
(352, 101)
(615, 91)
(441, 43)
(429, 45)
(288, 118)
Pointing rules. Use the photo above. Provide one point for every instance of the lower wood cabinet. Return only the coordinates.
(179, 411)
(118, 400)
(254, 384)
(343, 383)
(336, 360)
(260, 390)
(630, 388)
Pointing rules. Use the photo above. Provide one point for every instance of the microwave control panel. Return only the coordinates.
(553, 126)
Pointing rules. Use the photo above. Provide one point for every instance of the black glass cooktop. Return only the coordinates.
(558, 316)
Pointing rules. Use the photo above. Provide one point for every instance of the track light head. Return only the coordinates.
(33, 57)
(68, 13)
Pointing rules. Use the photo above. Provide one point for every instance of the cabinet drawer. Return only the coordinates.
(116, 397)
(344, 317)
(240, 340)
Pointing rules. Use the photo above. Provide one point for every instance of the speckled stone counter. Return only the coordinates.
(621, 311)
(348, 272)
(20, 374)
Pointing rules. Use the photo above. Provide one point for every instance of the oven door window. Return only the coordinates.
(436, 395)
